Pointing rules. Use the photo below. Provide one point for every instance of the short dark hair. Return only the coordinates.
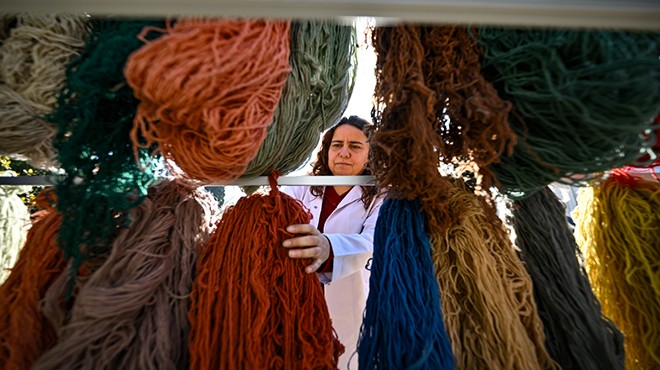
(321, 167)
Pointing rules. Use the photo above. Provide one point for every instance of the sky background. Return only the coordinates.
(361, 100)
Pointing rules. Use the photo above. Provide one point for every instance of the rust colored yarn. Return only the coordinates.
(487, 298)
(208, 90)
(24, 331)
(471, 118)
(253, 307)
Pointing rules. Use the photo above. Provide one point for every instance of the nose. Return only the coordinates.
(344, 152)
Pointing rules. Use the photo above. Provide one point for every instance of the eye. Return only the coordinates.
(356, 147)
(335, 146)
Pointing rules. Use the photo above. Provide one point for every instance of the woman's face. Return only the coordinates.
(349, 151)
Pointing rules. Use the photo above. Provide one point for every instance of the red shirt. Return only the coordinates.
(330, 202)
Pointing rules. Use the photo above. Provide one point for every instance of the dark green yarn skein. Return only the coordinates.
(582, 100)
(94, 116)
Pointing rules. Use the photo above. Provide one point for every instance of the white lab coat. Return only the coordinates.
(350, 229)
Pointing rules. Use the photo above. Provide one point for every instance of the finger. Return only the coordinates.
(302, 241)
(314, 266)
(302, 229)
(313, 252)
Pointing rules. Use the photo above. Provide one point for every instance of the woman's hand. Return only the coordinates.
(312, 245)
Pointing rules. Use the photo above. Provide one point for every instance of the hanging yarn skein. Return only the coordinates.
(132, 311)
(618, 231)
(252, 306)
(14, 225)
(479, 266)
(471, 118)
(33, 60)
(402, 326)
(459, 114)
(488, 300)
(94, 118)
(24, 331)
(323, 65)
(405, 146)
(405, 162)
(582, 100)
(577, 335)
(208, 89)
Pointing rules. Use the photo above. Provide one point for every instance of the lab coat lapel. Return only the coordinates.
(315, 205)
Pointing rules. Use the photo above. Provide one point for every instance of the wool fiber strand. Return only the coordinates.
(132, 311)
(402, 326)
(208, 90)
(25, 333)
(33, 60)
(252, 306)
(618, 231)
(578, 336)
(488, 300)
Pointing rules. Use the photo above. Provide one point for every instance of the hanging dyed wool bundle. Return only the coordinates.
(487, 297)
(405, 162)
(323, 62)
(33, 60)
(94, 118)
(577, 335)
(24, 331)
(132, 311)
(582, 100)
(618, 230)
(208, 90)
(472, 119)
(402, 326)
(405, 146)
(253, 307)
(14, 225)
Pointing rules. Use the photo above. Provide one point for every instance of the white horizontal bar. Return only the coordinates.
(308, 180)
(620, 14)
(255, 181)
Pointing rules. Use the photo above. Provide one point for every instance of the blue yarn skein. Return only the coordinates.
(403, 326)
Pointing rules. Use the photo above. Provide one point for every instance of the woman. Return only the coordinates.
(339, 239)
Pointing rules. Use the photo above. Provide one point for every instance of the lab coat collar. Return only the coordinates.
(353, 196)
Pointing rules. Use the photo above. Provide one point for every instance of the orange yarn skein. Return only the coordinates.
(208, 90)
(253, 307)
(24, 331)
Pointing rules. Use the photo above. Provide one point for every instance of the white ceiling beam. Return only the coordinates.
(619, 14)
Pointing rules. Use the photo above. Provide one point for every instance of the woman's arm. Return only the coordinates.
(351, 250)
